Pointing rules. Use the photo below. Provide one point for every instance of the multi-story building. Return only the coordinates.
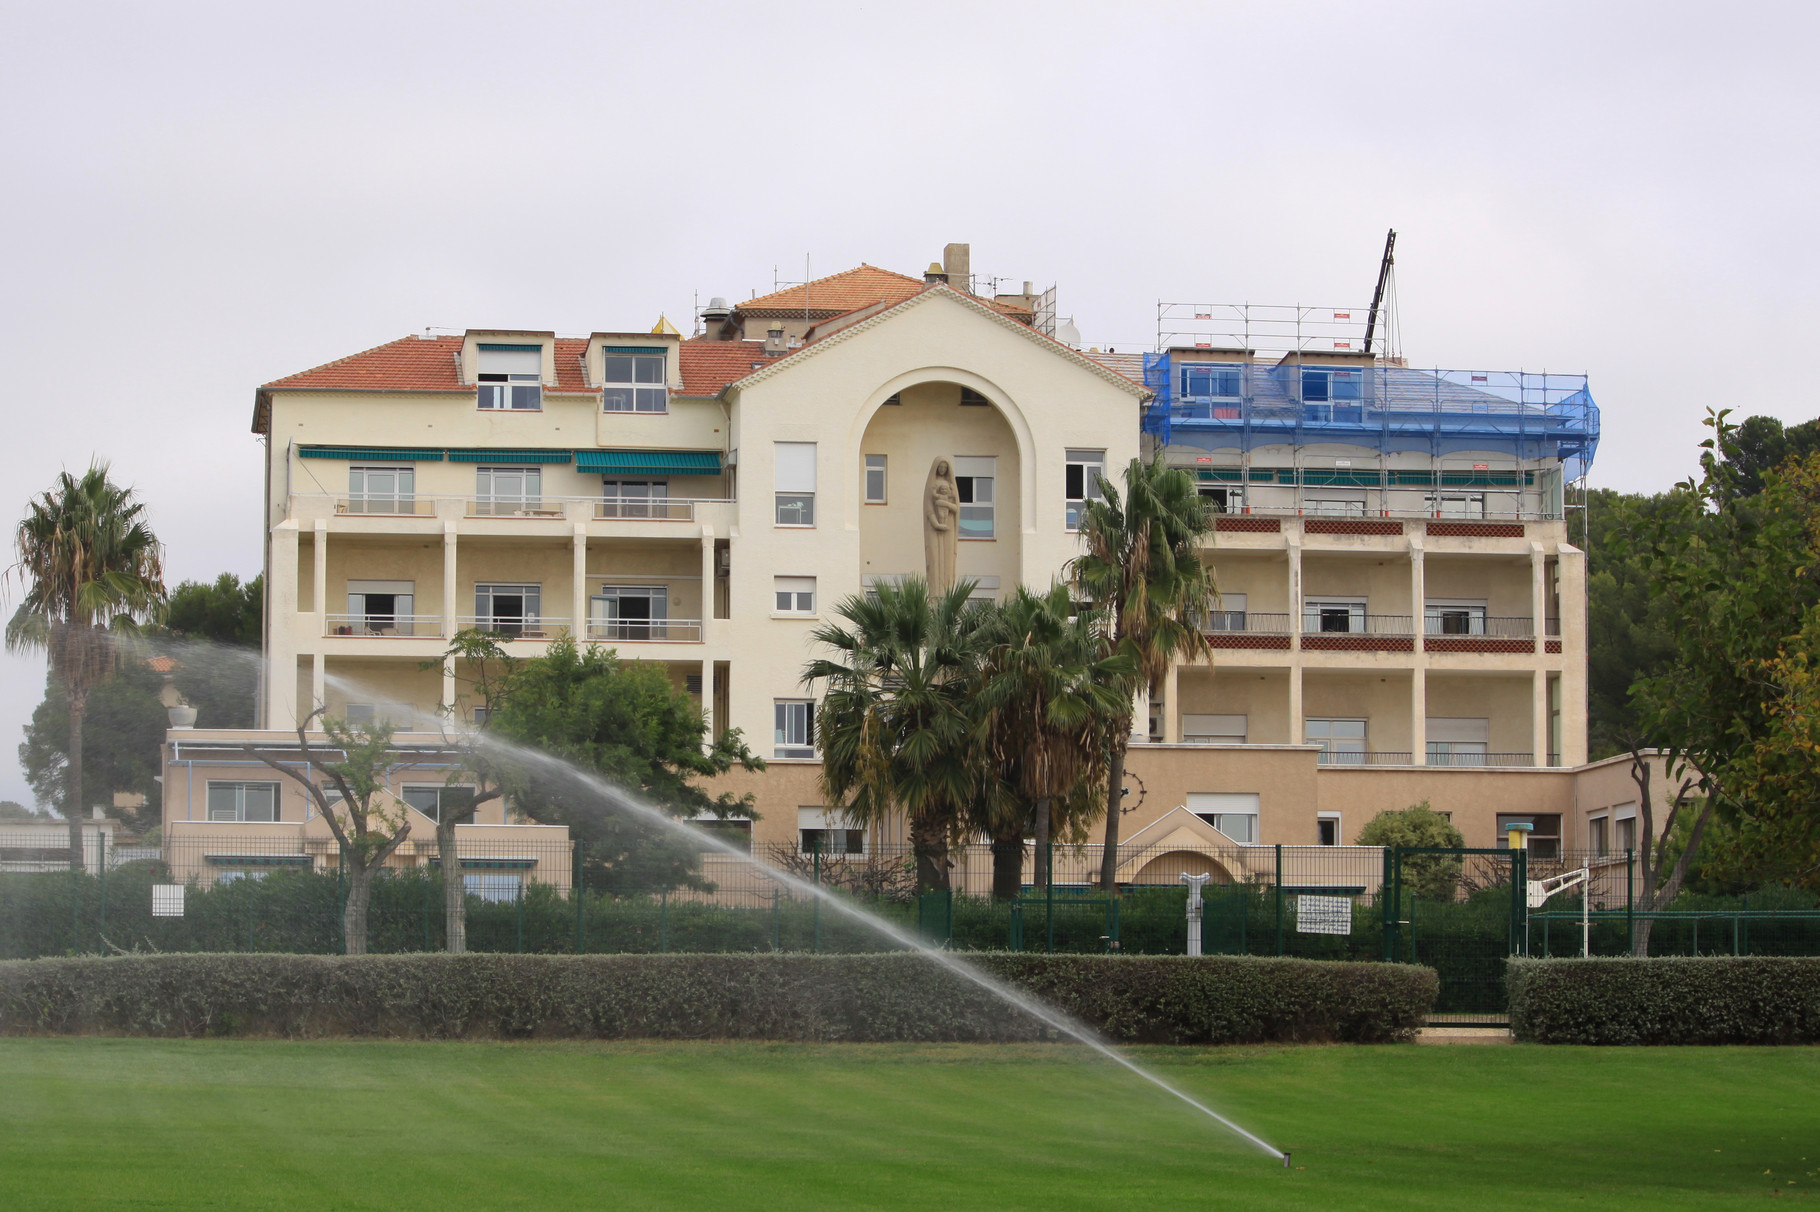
(1401, 613)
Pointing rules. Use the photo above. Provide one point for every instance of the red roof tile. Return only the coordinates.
(708, 366)
(851, 290)
(419, 364)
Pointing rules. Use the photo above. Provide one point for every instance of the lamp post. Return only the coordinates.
(1195, 906)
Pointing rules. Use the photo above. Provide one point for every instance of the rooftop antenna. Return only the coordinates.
(1377, 297)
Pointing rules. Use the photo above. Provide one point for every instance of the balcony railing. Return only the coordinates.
(1353, 757)
(1481, 759)
(1479, 625)
(1335, 622)
(398, 506)
(383, 625)
(543, 505)
(515, 507)
(646, 631)
(517, 627)
(657, 509)
(1248, 622)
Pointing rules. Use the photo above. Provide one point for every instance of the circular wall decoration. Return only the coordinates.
(1132, 794)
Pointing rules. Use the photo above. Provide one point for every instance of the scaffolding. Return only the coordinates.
(1235, 378)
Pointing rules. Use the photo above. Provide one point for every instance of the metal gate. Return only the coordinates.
(1461, 912)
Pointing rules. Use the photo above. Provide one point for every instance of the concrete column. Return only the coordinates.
(578, 594)
(1172, 705)
(1571, 567)
(449, 625)
(320, 568)
(1538, 593)
(1295, 588)
(1418, 715)
(1539, 726)
(706, 610)
(279, 708)
(318, 681)
(707, 694)
(1418, 592)
(1295, 700)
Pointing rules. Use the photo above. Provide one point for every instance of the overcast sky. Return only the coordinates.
(201, 198)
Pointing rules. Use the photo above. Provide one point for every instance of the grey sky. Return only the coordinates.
(204, 197)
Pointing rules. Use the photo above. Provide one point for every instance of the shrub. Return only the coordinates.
(1174, 1000)
(1666, 1000)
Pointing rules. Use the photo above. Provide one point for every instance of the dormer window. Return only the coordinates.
(633, 381)
(1203, 381)
(511, 377)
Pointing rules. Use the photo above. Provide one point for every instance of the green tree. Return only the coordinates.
(1143, 572)
(92, 573)
(1052, 693)
(368, 822)
(213, 632)
(123, 732)
(898, 727)
(1762, 444)
(13, 810)
(626, 722)
(1431, 877)
(1628, 628)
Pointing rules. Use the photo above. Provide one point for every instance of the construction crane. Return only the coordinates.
(1377, 297)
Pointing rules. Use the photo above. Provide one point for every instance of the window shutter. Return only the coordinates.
(795, 466)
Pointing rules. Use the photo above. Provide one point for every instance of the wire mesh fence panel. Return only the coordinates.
(1562, 932)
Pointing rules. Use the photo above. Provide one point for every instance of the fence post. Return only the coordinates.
(1279, 890)
(581, 904)
(777, 929)
(341, 897)
(817, 907)
(663, 921)
(426, 907)
(1519, 894)
(1630, 899)
(521, 914)
(101, 930)
(76, 908)
(1049, 884)
(1385, 900)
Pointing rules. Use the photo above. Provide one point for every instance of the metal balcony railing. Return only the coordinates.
(646, 631)
(1456, 758)
(384, 625)
(517, 627)
(1249, 622)
(1554, 629)
(398, 506)
(515, 507)
(660, 509)
(541, 505)
(1340, 622)
(1446, 623)
(1353, 757)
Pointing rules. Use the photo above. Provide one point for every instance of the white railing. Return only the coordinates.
(542, 506)
(517, 627)
(646, 631)
(388, 626)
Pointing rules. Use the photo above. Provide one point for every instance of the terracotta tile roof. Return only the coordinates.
(708, 366)
(1131, 365)
(849, 291)
(162, 664)
(418, 364)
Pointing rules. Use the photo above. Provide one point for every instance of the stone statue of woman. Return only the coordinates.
(941, 525)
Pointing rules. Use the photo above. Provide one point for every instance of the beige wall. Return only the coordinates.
(1260, 695)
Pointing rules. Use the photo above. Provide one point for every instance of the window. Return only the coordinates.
(1333, 614)
(1598, 835)
(1458, 741)
(1332, 386)
(818, 830)
(630, 612)
(633, 498)
(1627, 833)
(1227, 612)
(431, 798)
(1214, 729)
(795, 719)
(1208, 380)
(734, 831)
(1447, 617)
(1334, 504)
(972, 399)
(504, 491)
(1544, 835)
(369, 715)
(795, 471)
(795, 595)
(1081, 479)
(1457, 504)
(973, 478)
(511, 610)
(633, 381)
(378, 608)
(1233, 814)
(511, 377)
(499, 887)
(1327, 829)
(1342, 742)
(1224, 498)
(875, 479)
(381, 489)
(242, 801)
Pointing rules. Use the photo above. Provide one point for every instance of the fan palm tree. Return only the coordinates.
(92, 572)
(1053, 690)
(898, 728)
(1143, 571)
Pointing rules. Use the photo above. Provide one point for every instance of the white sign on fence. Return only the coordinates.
(167, 900)
(1323, 914)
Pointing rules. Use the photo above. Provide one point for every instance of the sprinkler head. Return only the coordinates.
(1285, 1161)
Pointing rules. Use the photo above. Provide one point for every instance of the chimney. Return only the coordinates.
(957, 262)
(775, 344)
(713, 317)
(935, 273)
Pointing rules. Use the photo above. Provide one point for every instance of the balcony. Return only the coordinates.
(1335, 630)
(646, 631)
(1246, 629)
(308, 507)
(1456, 758)
(1355, 757)
(1458, 631)
(516, 627)
(389, 626)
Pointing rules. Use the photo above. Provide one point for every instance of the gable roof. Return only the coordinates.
(850, 290)
(708, 366)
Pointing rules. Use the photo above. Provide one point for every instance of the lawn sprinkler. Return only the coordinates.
(1285, 1161)
(1195, 906)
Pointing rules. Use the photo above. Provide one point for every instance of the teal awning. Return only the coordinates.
(649, 462)
(257, 860)
(391, 454)
(508, 456)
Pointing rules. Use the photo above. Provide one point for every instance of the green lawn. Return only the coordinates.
(222, 1124)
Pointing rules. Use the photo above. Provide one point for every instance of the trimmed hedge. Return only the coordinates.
(1167, 1000)
(1666, 1000)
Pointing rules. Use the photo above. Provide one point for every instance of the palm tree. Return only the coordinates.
(92, 572)
(1053, 691)
(898, 729)
(1143, 570)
